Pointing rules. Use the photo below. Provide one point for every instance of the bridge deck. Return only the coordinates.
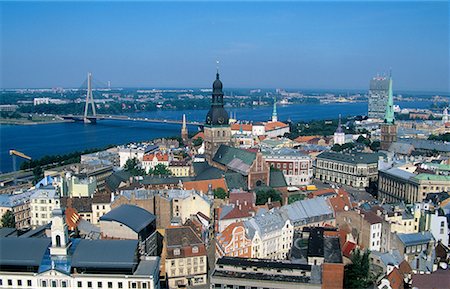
(129, 118)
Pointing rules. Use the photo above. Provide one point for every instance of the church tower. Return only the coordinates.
(60, 235)
(388, 128)
(217, 127)
(184, 131)
(339, 135)
(274, 112)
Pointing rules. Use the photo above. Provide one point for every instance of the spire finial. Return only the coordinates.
(217, 68)
(390, 72)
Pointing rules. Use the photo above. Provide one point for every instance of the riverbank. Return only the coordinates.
(27, 122)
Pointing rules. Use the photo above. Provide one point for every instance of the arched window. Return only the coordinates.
(58, 241)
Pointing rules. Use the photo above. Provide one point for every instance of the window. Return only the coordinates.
(44, 283)
(89, 284)
(53, 283)
(195, 249)
(144, 285)
(79, 284)
(109, 284)
(19, 282)
(133, 285)
(120, 285)
(64, 284)
(176, 252)
(28, 283)
(99, 284)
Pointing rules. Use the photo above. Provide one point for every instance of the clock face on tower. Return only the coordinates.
(220, 120)
(208, 119)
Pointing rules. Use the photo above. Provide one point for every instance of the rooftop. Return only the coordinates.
(105, 254)
(415, 238)
(131, 216)
(354, 158)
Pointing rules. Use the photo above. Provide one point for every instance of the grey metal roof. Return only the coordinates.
(264, 223)
(7, 232)
(399, 173)
(131, 216)
(423, 144)
(303, 210)
(353, 158)
(120, 254)
(23, 251)
(148, 267)
(415, 238)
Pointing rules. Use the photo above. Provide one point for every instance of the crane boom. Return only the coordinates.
(19, 154)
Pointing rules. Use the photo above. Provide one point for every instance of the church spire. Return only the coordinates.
(389, 116)
(339, 128)
(274, 112)
(184, 131)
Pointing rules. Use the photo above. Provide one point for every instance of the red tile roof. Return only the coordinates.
(204, 185)
(159, 156)
(199, 134)
(275, 125)
(371, 217)
(395, 279)
(245, 127)
(348, 248)
(306, 138)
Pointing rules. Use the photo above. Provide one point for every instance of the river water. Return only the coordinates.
(59, 138)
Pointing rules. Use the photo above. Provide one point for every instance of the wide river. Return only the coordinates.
(59, 138)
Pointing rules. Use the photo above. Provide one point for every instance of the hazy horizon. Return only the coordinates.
(291, 45)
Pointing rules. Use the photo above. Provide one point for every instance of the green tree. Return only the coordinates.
(38, 174)
(220, 193)
(8, 220)
(375, 145)
(197, 142)
(132, 166)
(357, 275)
(262, 196)
(160, 170)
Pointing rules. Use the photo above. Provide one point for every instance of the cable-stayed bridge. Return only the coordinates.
(93, 117)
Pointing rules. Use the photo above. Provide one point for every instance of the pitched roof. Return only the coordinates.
(306, 138)
(350, 157)
(131, 216)
(159, 156)
(277, 179)
(395, 279)
(238, 160)
(340, 202)
(225, 237)
(183, 238)
(105, 254)
(113, 181)
(371, 217)
(203, 185)
(81, 204)
(22, 251)
(244, 126)
(413, 239)
(275, 125)
(199, 134)
(235, 180)
(436, 280)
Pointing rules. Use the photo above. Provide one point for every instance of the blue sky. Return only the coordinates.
(305, 45)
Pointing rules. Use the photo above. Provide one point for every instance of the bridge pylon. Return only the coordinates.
(89, 101)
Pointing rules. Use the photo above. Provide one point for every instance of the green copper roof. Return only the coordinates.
(430, 177)
(439, 167)
(389, 117)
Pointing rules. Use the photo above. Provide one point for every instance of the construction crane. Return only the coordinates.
(15, 154)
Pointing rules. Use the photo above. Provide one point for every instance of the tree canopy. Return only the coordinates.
(132, 166)
(8, 220)
(262, 196)
(357, 275)
(161, 170)
(220, 193)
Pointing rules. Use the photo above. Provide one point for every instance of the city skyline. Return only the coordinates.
(324, 45)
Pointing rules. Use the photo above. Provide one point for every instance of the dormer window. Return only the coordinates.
(176, 252)
(195, 249)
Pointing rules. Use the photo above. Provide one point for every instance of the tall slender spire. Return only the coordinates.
(274, 112)
(339, 128)
(389, 116)
(184, 131)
